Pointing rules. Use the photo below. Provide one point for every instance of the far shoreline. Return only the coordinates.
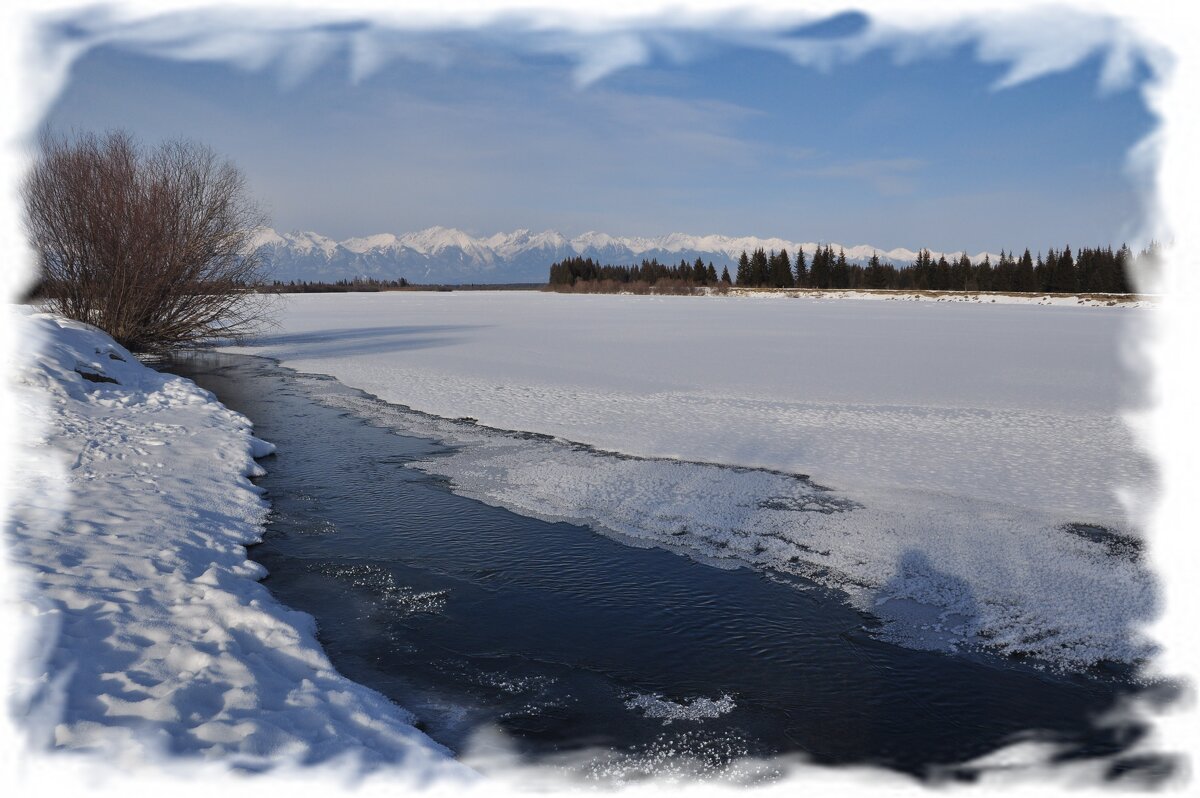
(1081, 299)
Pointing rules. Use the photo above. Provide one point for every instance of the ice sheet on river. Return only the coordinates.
(938, 570)
(955, 451)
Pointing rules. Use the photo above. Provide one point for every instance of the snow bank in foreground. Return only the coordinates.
(128, 529)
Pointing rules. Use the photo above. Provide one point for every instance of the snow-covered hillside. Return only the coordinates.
(444, 255)
(127, 532)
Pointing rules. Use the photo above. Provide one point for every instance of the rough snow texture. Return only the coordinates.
(950, 447)
(1078, 300)
(128, 533)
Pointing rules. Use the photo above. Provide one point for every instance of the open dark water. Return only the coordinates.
(472, 616)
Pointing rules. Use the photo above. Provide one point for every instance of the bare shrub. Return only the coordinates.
(150, 246)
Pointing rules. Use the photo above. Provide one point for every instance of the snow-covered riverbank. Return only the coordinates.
(127, 529)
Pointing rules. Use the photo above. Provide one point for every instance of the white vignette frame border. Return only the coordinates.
(1163, 167)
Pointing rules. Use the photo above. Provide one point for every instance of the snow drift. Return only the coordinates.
(128, 529)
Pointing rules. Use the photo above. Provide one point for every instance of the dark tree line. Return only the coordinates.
(571, 271)
(1090, 270)
(774, 270)
(367, 284)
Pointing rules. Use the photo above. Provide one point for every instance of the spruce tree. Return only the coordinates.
(801, 269)
(960, 273)
(781, 271)
(1002, 274)
(1026, 276)
(923, 276)
(984, 274)
(876, 276)
(1098, 273)
(1086, 261)
(1043, 269)
(841, 272)
(758, 267)
(819, 274)
(1124, 281)
(827, 267)
(743, 270)
(941, 274)
(1065, 273)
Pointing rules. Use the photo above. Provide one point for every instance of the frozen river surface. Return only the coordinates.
(970, 478)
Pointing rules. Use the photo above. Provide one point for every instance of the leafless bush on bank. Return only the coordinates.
(148, 245)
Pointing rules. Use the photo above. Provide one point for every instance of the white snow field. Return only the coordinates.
(127, 530)
(949, 445)
(885, 295)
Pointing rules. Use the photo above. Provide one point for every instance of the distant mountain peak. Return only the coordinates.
(449, 255)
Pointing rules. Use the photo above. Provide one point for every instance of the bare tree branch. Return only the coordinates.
(149, 246)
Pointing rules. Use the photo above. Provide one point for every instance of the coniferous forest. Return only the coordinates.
(1089, 270)
(649, 273)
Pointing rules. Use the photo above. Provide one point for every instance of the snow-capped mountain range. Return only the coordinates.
(449, 256)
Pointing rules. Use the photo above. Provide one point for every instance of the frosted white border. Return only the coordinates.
(1165, 164)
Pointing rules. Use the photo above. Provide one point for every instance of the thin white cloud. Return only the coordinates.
(599, 56)
(889, 176)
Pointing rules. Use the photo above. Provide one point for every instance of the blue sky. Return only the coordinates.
(487, 131)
